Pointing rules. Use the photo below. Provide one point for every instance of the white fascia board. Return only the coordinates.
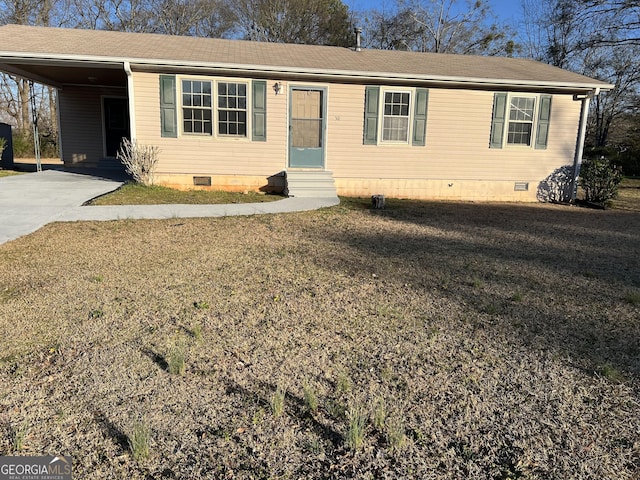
(379, 76)
(320, 73)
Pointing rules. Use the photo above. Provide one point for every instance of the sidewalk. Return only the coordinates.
(121, 212)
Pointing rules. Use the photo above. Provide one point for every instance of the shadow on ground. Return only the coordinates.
(557, 276)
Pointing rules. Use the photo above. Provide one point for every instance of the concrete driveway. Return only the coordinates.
(30, 201)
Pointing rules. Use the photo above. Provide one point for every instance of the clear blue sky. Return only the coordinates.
(507, 11)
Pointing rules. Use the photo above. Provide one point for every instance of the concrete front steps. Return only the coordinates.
(310, 184)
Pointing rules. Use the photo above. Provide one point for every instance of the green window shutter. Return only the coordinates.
(420, 117)
(371, 99)
(259, 111)
(499, 117)
(544, 117)
(168, 107)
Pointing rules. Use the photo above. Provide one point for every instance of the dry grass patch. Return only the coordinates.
(396, 362)
(628, 196)
(9, 173)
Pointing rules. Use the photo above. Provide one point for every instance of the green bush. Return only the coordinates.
(23, 145)
(599, 178)
(628, 158)
(3, 144)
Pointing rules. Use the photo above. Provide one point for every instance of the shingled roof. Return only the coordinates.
(41, 44)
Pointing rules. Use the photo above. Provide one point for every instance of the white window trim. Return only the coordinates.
(534, 121)
(247, 108)
(412, 96)
(182, 107)
(214, 107)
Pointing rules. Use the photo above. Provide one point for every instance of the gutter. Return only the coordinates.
(354, 75)
(132, 105)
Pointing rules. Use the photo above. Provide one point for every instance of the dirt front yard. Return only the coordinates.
(428, 340)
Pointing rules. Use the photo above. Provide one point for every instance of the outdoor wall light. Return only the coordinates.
(277, 87)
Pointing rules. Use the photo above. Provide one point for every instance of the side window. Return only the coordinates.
(232, 109)
(521, 115)
(520, 120)
(196, 107)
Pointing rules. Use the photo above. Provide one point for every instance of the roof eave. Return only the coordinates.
(13, 70)
(439, 80)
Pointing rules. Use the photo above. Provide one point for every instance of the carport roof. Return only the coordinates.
(60, 56)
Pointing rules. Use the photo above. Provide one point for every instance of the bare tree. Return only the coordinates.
(14, 91)
(598, 38)
(442, 26)
(210, 18)
(119, 15)
(319, 22)
(204, 18)
(620, 66)
(618, 21)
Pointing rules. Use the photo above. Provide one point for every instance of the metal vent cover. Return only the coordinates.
(202, 181)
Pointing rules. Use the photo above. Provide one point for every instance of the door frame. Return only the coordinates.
(323, 97)
(104, 119)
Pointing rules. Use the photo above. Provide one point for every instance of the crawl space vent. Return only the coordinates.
(521, 186)
(202, 181)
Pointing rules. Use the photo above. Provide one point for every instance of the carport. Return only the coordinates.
(94, 99)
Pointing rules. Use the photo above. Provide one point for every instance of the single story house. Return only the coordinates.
(243, 115)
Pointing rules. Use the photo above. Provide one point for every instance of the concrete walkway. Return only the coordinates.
(30, 201)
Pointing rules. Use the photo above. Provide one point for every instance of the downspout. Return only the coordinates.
(132, 109)
(582, 131)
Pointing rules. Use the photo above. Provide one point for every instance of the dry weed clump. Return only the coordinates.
(397, 363)
(139, 440)
(140, 161)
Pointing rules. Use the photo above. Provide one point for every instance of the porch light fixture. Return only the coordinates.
(277, 87)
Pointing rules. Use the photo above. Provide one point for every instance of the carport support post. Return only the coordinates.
(34, 120)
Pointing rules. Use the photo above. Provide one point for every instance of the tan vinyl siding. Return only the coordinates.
(458, 126)
(195, 154)
(81, 125)
(456, 162)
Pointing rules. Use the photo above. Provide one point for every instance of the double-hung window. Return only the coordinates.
(520, 120)
(232, 109)
(395, 117)
(521, 115)
(196, 107)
